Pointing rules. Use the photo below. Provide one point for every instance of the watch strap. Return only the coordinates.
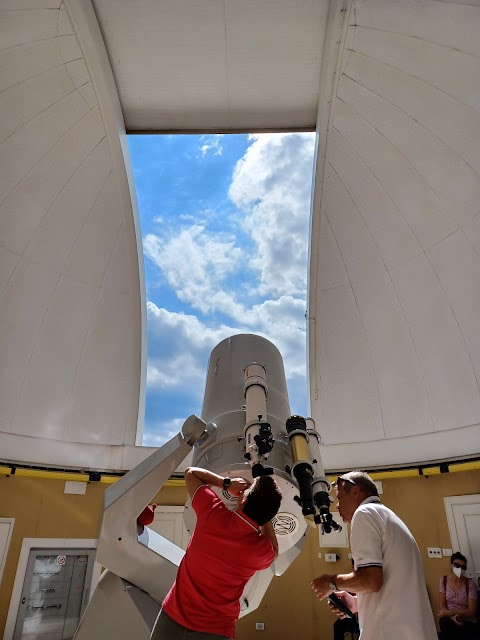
(332, 584)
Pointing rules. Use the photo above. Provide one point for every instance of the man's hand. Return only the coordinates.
(238, 486)
(348, 599)
(321, 586)
(445, 613)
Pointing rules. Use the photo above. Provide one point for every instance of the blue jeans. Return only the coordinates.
(167, 629)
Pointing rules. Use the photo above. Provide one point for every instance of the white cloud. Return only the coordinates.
(195, 264)
(272, 185)
(181, 343)
(212, 143)
(162, 432)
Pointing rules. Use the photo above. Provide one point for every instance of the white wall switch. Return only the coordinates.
(447, 552)
(434, 552)
(260, 626)
(331, 557)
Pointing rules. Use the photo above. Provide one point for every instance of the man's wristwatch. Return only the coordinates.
(227, 482)
(332, 584)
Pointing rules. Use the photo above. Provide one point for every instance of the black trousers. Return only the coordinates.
(452, 631)
(344, 625)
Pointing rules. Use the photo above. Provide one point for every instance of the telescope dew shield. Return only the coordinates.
(255, 390)
(320, 485)
(302, 467)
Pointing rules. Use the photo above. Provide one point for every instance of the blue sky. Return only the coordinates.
(225, 222)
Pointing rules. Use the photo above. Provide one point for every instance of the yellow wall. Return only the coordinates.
(289, 609)
(42, 510)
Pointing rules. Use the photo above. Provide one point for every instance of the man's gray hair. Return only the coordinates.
(362, 480)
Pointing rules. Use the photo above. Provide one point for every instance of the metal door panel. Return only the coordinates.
(55, 593)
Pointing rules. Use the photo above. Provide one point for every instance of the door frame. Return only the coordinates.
(450, 501)
(43, 543)
(3, 558)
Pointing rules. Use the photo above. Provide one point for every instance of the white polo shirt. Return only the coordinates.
(401, 609)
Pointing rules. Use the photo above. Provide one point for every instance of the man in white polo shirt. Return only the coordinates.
(388, 580)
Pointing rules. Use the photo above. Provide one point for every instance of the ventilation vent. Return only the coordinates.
(284, 524)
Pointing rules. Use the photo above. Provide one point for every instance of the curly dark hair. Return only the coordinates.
(458, 556)
(263, 500)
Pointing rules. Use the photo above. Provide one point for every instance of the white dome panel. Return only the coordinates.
(25, 27)
(404, 407)
(420, 206)
(8, 263)
(27, 61)
(58, 233)
(391, 233)
(446, 69)
(449, 23)
(332, 272)
(352, 412)
(472, 232)
(398, 180)
(457, 267)
(34, 196)
(447, 118)
(96, 241)
(38, 136)
(23, 304)
(71, 342)
(450, 177)
(106, 405)
(47, 390)
(447, 368)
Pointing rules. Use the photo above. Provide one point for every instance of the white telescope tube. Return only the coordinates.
(256, 391)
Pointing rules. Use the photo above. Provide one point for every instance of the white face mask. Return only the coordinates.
(458, 571)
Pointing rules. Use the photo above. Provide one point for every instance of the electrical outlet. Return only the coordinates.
(434, 552)
(260, 626)
(331, 557)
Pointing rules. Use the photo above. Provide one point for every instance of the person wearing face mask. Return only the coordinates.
(458, 602)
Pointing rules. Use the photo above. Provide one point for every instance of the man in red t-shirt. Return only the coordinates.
(225, 550)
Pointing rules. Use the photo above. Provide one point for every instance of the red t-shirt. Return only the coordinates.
(223, 554)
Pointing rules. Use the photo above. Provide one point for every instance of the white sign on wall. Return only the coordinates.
(335, 538)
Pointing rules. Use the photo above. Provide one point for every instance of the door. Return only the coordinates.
(463, 515)
(55, 593)
(169, 523)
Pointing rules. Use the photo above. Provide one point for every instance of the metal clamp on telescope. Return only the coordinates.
(258, 433)
(308, 470)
